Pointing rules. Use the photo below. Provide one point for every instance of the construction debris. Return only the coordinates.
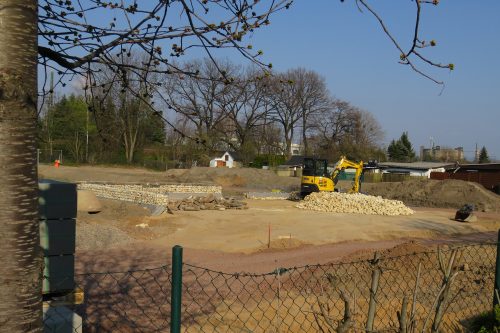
(353, 203)
(210, 202)
(131, 193)
(465, 214)
(149, 194)
(267, 195)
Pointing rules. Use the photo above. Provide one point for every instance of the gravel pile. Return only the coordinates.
(353, 203)
(210, 202)
(131, 193)
(184, 188)
(267, 195)
(145, 194)
(91, 236)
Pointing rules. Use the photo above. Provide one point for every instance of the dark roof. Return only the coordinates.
(483, 166)
(235, 155)
(296, 160)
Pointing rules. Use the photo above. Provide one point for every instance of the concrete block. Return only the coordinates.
(58, 236)
(57, 200)
(60, 319)
(59, 274)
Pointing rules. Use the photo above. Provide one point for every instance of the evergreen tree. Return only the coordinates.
(483, 156)
(401, 150)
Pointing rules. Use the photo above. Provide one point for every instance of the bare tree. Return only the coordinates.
(200, 98)
(344, 129)
(247, 108)
(71, 38)
(286, 108)
(297, 96)
(314, 99)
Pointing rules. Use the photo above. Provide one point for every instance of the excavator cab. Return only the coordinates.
(315, 176)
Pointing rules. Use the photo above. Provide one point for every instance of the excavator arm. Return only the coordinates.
(343, 164)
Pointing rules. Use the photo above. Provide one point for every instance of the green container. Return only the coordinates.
(56, 200)
(57, 236)
(59, 274)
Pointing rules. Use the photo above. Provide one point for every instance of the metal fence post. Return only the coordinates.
(497, 272)
(175, 296)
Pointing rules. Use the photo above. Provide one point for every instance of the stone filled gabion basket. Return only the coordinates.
(356, 203)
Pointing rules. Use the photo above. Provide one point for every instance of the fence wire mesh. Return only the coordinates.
(135, 301)
(311, 298)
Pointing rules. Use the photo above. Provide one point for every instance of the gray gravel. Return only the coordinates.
(90, 236)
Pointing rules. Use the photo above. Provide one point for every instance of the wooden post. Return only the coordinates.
(269, 236)
(497, 272)
(373, 293)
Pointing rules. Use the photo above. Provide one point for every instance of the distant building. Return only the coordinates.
(227, 160)
(292, 168)
(437, 153)
(418, 169)
(296, 149)
(486, 174)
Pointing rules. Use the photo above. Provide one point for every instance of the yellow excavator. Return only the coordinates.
(316, 178)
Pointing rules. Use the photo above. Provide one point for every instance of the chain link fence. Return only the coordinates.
(47, 156)
(135, 301)
(436, 291)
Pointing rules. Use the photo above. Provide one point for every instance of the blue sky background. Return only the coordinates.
(360, 65)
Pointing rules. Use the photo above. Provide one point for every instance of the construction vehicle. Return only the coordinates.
(317, 178)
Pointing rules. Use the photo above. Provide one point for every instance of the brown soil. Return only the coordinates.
(233, 180)
(236, 241)
(437, 193)
(246, 231)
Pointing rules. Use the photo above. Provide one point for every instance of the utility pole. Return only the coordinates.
(476, 155)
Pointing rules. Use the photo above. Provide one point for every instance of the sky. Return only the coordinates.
(360, 65)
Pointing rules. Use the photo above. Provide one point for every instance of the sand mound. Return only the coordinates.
(437, 193)
(353, 203)
(243, 179)
(249, 178)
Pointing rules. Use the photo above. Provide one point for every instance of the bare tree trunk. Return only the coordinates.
(20, 268)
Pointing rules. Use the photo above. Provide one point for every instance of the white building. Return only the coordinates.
(419, 169)
(227, 160)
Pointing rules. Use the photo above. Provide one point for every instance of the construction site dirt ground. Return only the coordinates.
(125, 235)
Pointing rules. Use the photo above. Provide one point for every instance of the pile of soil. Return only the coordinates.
(232, 180)
(246, 178)
(437, 193)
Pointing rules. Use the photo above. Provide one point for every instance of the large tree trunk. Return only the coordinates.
(20, 266)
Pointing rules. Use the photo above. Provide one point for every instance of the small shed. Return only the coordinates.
(292, 168)
(227, 160)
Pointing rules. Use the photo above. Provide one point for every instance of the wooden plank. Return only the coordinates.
(74, 297)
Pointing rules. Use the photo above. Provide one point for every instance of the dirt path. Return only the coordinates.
(142, 255)
(247, 230)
